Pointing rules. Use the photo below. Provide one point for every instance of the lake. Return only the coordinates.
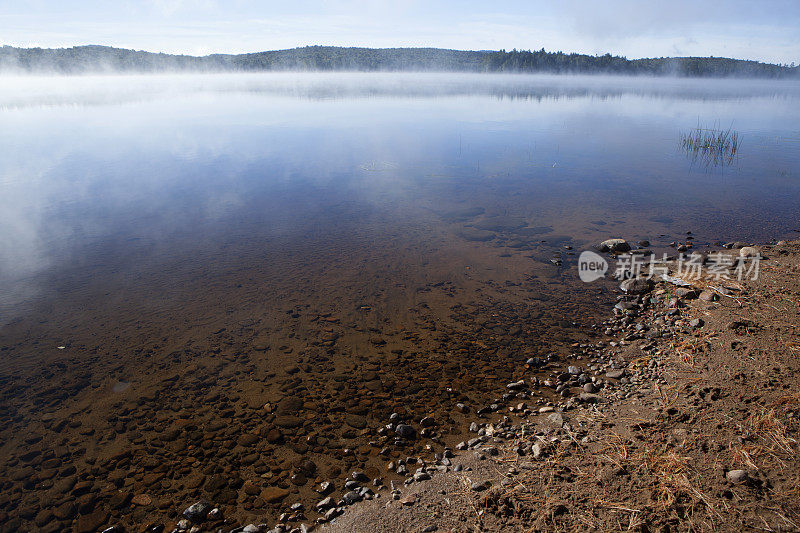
(224, 285)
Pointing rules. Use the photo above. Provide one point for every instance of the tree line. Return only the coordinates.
(92, 59)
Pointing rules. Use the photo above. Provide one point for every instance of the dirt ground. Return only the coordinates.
(696, 431)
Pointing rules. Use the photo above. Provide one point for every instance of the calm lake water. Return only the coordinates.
(307, 253)
(94, 168)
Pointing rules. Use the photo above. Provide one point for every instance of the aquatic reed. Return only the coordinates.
(713, 146)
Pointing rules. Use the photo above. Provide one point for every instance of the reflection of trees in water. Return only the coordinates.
(333, 86)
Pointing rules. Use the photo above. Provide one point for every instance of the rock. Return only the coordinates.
(248, 439)
(197, 511)
(355, 421)
(409, 500)
(66, 510)
(516, 385)
(586, 397)
(749, 251)
(288, 421)
(215, 483)
(696, 323)
(327, 503)
(709, 296)
(90, 523)
(589, 388)
(273, 494)
(636, 285)
(686, 293)
(736, 476)
(614, 245)
(360, 476)
(142, 500)
(480, 486)
(538, 450)
(274, 436)
(422, 476)
(326, 487)
(352, 497)
(43, 517)
(616, 374)
(405, 431)
(427, 422)
(556, 419)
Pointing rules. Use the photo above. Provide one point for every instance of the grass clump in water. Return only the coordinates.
(712, 146)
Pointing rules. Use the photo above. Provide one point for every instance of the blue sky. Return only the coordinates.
(766, 30)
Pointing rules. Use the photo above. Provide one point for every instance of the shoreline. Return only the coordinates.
(643, 452)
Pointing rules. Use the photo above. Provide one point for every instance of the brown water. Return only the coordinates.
(185, 261)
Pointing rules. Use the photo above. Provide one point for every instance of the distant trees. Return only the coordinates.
(84, 59)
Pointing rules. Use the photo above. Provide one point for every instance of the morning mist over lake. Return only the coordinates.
(361, 266)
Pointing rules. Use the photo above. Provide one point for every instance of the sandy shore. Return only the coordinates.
(696, 427)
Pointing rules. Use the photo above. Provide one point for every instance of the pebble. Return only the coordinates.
(408, 500)
(197, 511)
(326, 487)
(686, 293)
(351, 497)
(556, 419)
(327, 503)
(736, 476)
(480, 486)
(709, 296)
(636, 285)
(516, 385)
(405, 431)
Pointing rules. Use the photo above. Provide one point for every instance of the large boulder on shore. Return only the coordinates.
(614, 245)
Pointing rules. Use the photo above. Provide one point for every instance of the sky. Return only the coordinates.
(764, 30)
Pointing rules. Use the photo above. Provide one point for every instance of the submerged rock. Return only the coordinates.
(405, 431)
(197, 511)
(475, 234)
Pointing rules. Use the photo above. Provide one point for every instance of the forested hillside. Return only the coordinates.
(87, 59)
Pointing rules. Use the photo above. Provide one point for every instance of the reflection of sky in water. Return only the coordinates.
(212, 156)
